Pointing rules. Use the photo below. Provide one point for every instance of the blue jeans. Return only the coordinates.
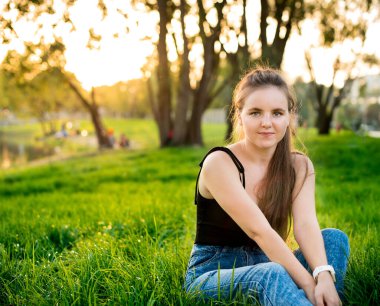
(222, 272)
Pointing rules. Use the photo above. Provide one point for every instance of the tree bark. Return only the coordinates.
(203, 95)
(164, 123)
(273, 54)
(100, 131)
(324, 123)
(184, 91)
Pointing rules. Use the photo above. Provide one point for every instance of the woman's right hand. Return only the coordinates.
(325, 292)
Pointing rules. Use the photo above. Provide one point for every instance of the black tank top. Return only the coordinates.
(214, 225)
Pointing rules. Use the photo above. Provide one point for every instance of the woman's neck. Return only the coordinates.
(256, 155)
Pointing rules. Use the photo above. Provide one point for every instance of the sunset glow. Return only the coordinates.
(126, 43)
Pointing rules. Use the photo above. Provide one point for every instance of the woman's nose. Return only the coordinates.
(266, 121)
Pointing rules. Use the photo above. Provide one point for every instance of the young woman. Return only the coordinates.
(246, 196)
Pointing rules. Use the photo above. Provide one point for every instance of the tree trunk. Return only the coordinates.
(194, 130)
(201, 99)
(323, 121)
(327, 107)
(164, 94)
(273, 54)
(184, 90)
(104, 141)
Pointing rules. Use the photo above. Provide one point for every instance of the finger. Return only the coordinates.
(333, 301)
(319, 300)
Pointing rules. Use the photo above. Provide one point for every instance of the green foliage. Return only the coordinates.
(305, 98)
(128, 99)
(350, 116)
(117, 227)
(28, 90)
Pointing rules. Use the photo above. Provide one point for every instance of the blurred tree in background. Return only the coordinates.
(340, 24)
(226, 53)
(45, 51)
(201, 50)
(29, 91)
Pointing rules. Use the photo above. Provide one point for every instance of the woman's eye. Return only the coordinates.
(255, 114)
(277, 114)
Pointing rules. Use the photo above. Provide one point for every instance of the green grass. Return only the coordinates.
(117, 227)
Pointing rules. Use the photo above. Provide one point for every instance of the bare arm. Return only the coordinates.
(307, 231)
(306, 228)
(220, 177)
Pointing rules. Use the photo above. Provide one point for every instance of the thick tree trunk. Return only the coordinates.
(184, 91)
(164, 122)
(323, 121)
(324, 126)
(201, 99)
(203, 95)
(328, 106)
(271, 56)
(194, 129)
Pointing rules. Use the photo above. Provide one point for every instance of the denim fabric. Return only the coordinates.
(222, 272)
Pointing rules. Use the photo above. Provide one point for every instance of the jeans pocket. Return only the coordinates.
(203, 254)
(202, 259)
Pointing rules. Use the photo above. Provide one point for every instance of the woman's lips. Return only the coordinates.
(266, 133)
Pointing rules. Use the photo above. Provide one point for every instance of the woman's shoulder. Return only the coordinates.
(218, 159)
(302, 163)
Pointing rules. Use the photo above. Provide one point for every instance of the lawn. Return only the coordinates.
(117, 227)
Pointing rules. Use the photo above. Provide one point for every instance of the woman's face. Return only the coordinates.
(265, 117)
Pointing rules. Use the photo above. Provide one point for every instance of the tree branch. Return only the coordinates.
(202, 19)
(76, 90)
(219, 89)
(263, 23)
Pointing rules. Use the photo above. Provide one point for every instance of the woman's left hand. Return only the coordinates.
(325, 292)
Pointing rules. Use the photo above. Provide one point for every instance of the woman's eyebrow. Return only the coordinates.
(255, 109)
(273, 110)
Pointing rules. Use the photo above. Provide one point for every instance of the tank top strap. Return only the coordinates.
(236, 161)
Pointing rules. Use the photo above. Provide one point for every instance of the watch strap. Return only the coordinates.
(320, 269)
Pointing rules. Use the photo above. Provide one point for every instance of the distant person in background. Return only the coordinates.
(169, 137)
(247, 194)
(111, 137)
(123, 141)
(63, 130)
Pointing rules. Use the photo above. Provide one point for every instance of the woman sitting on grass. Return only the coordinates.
(247, 194)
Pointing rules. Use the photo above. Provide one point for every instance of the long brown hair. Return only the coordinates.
(275, 189)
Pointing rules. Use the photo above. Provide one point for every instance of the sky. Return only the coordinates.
(121, 58)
